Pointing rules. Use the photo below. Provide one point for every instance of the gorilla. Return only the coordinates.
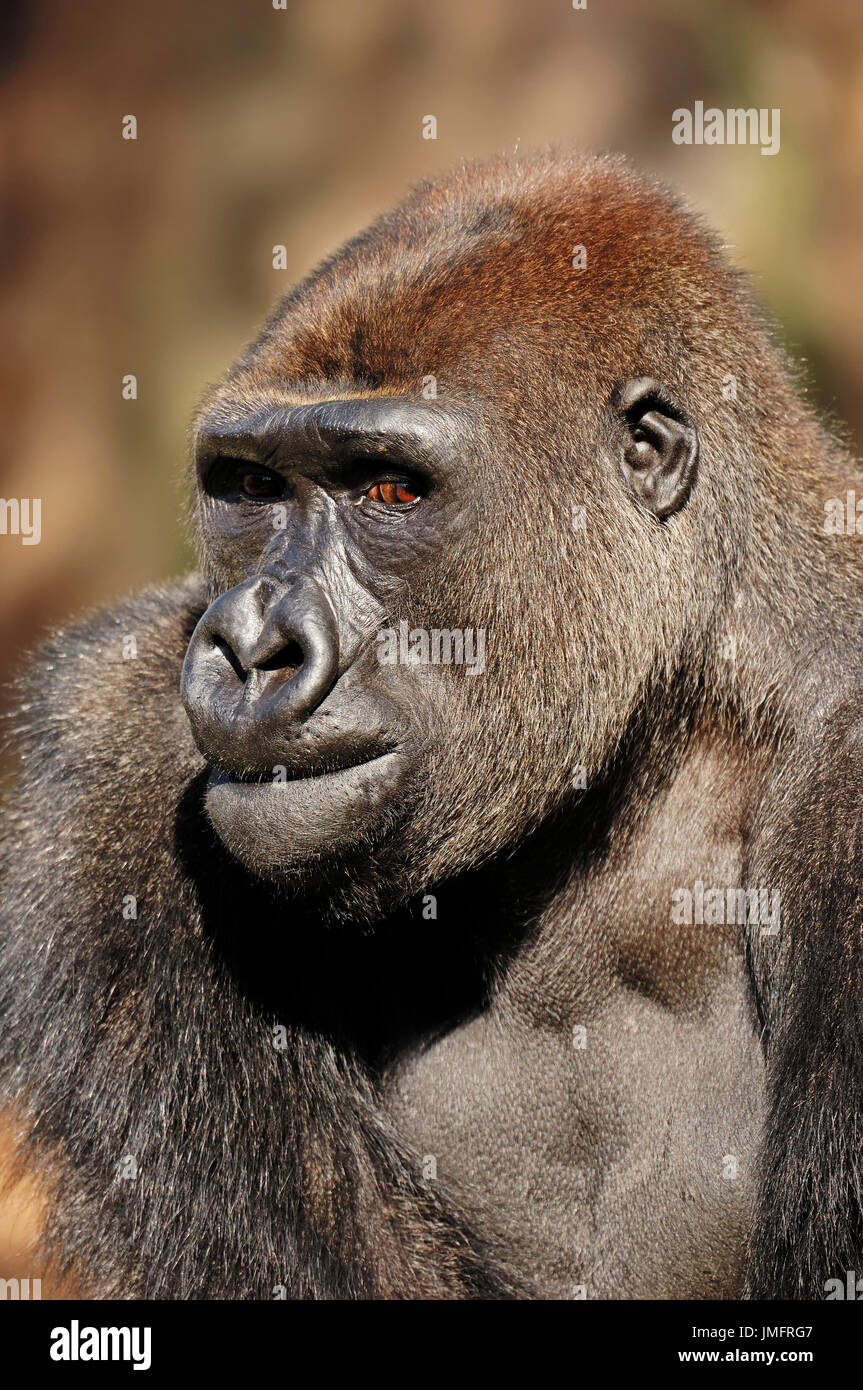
(453, 889)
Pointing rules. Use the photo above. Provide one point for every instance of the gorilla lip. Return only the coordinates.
(273, 827)
(315, 770)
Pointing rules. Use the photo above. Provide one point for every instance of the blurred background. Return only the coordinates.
(260, 126)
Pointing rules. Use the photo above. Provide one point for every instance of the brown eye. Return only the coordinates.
(393, 494)
(261, 486)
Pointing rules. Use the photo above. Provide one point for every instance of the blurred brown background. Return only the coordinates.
(259, 126)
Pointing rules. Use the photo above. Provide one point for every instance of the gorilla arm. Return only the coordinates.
(809, 1227)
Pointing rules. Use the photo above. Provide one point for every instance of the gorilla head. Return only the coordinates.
(454, 441)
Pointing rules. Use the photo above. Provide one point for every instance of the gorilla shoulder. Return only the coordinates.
(99, 699)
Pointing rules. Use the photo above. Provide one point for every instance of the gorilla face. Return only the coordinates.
(314, 713)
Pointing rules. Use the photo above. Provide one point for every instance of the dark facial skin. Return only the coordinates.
(320, 515)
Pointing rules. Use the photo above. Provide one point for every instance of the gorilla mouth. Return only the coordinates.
(317, 810)
(306, 768)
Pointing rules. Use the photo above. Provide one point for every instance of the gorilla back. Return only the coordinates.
(453, 892)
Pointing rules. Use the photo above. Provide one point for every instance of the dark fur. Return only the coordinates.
(300, 1167)
(257, 1167)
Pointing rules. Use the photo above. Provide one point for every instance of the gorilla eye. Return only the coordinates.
(393, 493)
(261, 485)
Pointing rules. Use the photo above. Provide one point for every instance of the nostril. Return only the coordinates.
(231, 657)
(289, 657)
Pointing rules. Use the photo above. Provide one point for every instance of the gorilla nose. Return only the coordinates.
(266, 649)
(280, 634)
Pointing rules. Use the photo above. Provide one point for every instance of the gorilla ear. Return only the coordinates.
(658, 445)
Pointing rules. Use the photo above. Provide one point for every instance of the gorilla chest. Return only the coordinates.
(605, 1112)
(614, 1158)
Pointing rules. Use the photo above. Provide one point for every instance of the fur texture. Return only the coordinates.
(152, 1037)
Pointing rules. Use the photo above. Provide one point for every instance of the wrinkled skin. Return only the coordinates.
(283, 670)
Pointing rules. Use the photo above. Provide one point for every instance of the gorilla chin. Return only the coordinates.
(277, 829)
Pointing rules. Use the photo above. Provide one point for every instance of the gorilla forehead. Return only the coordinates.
(476, 268)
